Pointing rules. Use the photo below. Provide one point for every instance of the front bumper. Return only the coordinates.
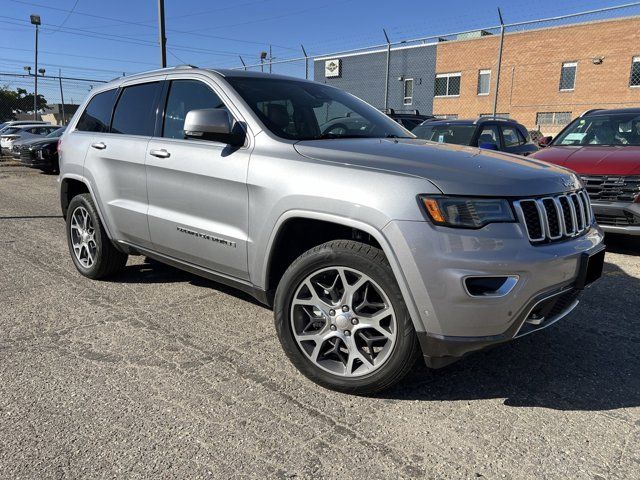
(436, 260)
(618, 217)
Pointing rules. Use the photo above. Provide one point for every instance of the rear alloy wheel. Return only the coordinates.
(91, 250)
(342, 321)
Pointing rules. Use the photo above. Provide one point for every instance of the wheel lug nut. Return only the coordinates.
(354, 321)
(347, 333)
(345, 309)
(332, 327)
(332, 312)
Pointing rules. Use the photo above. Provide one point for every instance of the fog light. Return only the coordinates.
(490, 286)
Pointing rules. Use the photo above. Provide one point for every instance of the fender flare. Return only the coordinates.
(348, 222)
(80, 178)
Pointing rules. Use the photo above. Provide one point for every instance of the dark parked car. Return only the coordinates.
(42, 153)
(408, 119)
(492, 133)
(603, 147)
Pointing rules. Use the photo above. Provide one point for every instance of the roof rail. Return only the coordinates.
(491, 117)
(186, 65)
(587, 112)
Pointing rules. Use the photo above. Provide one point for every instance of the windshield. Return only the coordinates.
(309, 111)
(614, 129)
(56, 133)
(456, 134)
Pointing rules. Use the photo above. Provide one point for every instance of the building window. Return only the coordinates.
(503, 115)
(635, 72)
(447, 85)
(446, 116)
(553, 118)
(408, 91)
(484, 82)
(568, 76)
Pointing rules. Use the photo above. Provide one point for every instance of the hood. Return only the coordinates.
(594, 160)
(455, 170)
(38, 142)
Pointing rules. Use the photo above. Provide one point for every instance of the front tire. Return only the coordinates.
(342, 321)
(91, 250)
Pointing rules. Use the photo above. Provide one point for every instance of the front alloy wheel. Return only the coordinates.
(343, 321)
(341, 318)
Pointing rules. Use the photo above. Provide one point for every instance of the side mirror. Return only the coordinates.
(488, 146)
(544, 141)
(213, 124)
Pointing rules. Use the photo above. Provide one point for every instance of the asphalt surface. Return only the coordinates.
(158, 373)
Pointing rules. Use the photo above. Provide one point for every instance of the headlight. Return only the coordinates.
(464, 212)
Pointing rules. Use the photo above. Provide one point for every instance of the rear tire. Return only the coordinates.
(91, 250)
(342, 321)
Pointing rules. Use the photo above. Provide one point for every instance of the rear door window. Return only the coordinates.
(489, 134)
(512, 137)
(97, 115)
(135, 112)
(184, 96)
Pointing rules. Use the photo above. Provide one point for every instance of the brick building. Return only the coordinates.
(548, 75)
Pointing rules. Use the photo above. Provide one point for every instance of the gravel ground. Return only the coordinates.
(161, 373)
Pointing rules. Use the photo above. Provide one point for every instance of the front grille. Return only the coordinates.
(26, 154)
(555, 218)
(622, 219)
(609, 188)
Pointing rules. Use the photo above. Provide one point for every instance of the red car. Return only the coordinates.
(603, 148)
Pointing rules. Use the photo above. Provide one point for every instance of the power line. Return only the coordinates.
(68, 15)
(146, 25)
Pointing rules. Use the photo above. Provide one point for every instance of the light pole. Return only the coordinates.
(35, 20)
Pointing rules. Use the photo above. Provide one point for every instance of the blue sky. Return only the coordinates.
(102, 39)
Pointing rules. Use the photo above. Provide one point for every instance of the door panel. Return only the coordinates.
(198, 203)
(116, 161)
(118, 171)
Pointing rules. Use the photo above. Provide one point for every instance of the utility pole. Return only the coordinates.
(306, 62)
(386, 77)
(35, 20)
(163, 38)
(64, 119)
(495, 98)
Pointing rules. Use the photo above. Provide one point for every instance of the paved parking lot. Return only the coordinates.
(161, 373)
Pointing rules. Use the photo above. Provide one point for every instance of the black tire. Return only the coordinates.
(108, 259)
(372, 262)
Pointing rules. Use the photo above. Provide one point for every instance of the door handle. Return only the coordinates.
(162, 153)
(99, 145)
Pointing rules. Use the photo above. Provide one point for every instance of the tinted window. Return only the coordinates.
(135, 111)
(455, 134)
(186, 95)
(512, 137)
(489, 134)
(98, 113)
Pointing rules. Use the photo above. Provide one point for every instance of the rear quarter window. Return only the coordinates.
(97, 115)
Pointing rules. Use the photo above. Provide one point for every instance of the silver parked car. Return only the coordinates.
(371, 246)
(18, 133)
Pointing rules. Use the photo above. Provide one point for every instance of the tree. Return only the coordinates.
(13, 102)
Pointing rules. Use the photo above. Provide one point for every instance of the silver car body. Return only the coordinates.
(219, 214)
(24, 132)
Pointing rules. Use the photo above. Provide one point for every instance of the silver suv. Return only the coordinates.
(371, 246)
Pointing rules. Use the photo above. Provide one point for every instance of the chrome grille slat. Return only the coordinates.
(554, 218)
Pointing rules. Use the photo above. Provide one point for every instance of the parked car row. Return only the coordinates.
(35, 143)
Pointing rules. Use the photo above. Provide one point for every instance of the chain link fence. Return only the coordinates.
(543, 73)
(58, 97)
